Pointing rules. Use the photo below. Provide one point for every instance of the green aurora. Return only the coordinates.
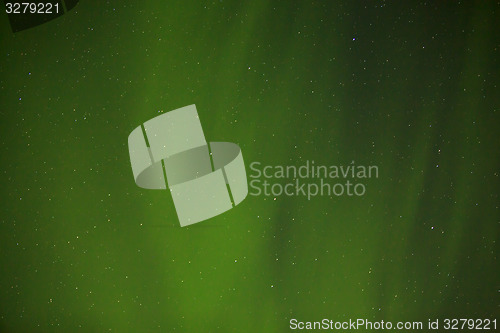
(411, 87)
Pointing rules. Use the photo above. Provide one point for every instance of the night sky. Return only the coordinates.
(411, 87)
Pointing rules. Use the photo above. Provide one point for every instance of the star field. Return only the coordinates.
(411, 87)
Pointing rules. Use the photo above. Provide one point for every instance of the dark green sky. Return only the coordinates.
(411, 87)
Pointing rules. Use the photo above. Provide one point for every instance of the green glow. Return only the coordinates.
(411, 88)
